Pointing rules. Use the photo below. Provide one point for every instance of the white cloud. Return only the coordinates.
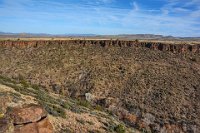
(135, 6)
(105, 20)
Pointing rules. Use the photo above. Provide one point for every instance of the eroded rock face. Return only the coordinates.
(27, 114)
(26, 119)
(180, 48)
(43, 126)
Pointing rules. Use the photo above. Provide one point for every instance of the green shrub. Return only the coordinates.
(24, 83)
(90, 122)
(35, 87)
(66, 130)
(80, 121)
(120, 129)
(53, 109)
(84, 103)
(94, 131)
(5, 79)
(65, 105)
(136, 40)
(98, 107)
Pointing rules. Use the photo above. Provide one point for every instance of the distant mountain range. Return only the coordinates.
(42, 34)
(120, 36)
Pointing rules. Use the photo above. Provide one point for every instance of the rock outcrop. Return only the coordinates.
(26, 119)
(27, 114)
(175, 48)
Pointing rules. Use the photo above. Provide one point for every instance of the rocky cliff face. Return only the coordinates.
(151, 86)
(180, 48)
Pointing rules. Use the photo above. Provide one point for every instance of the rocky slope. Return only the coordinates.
(22, 111)
(150, 86)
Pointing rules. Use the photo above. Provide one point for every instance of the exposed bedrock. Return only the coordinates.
(175, 48)
(26, 119)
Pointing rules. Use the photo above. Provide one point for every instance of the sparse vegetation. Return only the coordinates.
(1, 115)
(120, 129)
(80, 121)
(98, 107)
(137, 41)
(94, 131)
(66, 130)
(35, 87)
(24, 83)
(138, 79)
(84, 103)
(90, 122)
(51, 105)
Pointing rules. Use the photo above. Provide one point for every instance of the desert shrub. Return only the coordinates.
(20, 77)
(60, 111)
(9, 82)
(98, 107)
(120, 129)
(110, 126)
(65, 105)
(15, 97)
(94, 131)
(53, 109)
(1, 115)
(110, 112)
(76, 110)
(15, 87)
(90, 122)
(24, 83)
(80, 121)
(43, 96)
(6, 79)
(84, 103)
(66, 130)
(35, 87)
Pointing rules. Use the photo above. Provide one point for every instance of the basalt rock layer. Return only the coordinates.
(157, 84)
(107, 43)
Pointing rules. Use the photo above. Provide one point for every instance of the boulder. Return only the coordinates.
(26, 119)
(43, 126)
(27, 114)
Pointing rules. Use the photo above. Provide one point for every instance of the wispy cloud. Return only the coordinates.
(172, 19)
(101, 17)
(135, 6)
(106, 1)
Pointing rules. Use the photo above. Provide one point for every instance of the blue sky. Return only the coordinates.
(166, 17)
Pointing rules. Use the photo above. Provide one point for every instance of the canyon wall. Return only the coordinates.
(175, 48)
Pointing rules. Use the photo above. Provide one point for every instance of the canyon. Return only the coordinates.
(151, 86)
